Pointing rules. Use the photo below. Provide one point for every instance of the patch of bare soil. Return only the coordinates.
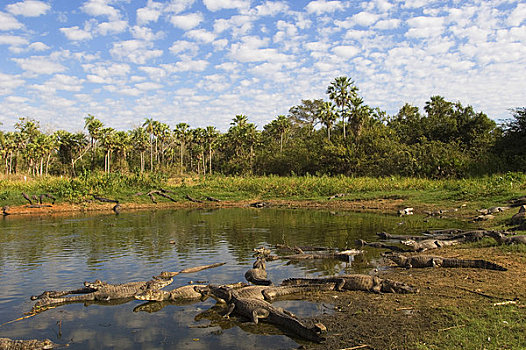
(399, 321)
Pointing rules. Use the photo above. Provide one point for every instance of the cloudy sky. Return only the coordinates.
(204, 61)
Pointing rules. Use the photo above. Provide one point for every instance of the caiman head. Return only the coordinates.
(152, 295)
(260, 264)
(220, 293)
(390, 286)
(97, 284)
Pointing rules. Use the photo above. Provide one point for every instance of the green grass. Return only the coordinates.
(482, 327)
(481, 192)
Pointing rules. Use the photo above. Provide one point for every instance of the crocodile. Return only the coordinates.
(31, 344)
(255, 309)
(182, 293)
(503, 239)
(100, 291)
(421, 261)
(258, 273)
(359, 282)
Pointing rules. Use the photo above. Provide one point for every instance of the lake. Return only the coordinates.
(60, 253)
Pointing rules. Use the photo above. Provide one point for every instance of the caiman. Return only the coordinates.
(420, 261)
(182, 293)
(503, 239)
(258, 273)
(429, 244)
(255, 309)
(270, 293)
(361, 282)
(32, 344)
(100, 291)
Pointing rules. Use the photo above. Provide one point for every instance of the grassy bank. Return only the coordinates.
(483, 191)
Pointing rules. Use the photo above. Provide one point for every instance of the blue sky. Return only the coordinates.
(204, 61)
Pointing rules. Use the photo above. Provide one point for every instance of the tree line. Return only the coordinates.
(340, 135)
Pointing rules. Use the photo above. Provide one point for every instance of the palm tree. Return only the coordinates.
(94, 127)
(149, 124)
(327, 116)
(279, 126)
(342, 90)
(182, 135)
(139, 139)
(108, 140)
(211, 135)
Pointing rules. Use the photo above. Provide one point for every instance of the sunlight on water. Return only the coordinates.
(50, 253)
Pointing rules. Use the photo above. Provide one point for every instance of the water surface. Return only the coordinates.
(60, 253)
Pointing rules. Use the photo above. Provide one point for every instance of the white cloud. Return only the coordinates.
(216, 5)
(60, 82)
(8, 22)
(13, 40)
(186, 66)
(76, 34)
(100, 8)
(29, 8)
(424, 26)
(39, 65)
(365, 19)
(146, 33)
(38, 46)
(250, 51)
(387, 24)
(155, 73)
(135, 51)
(321, 6)
(112, 27)
(178, 6)
(150, 13)
(9, 82)
(346, 51)
(188, 21)
(518, 15)
(106, 72)
(184, 46)
(201, 35)
(271, 8)
(148, 86)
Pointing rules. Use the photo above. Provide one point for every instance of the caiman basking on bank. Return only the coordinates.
(255, 309)
(503, 239)
(421, 261)
(358, 282)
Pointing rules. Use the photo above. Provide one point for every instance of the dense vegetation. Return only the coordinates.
(340, 136)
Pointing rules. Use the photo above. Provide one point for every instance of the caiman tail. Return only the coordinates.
(478, 263)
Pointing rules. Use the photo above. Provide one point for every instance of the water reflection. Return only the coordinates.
(53, 253)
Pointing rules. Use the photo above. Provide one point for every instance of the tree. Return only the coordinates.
(279, 127)
(94, 127)
(211, 135)
(327, 117)
(139, 140)
(149, 125)
(183, 136)
(342, 91)
(305, 115)
(108, 140)
(71, 147)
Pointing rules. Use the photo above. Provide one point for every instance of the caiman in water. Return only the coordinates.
(100, 291)
(255, 309)
(32, 344)
(258, 273)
